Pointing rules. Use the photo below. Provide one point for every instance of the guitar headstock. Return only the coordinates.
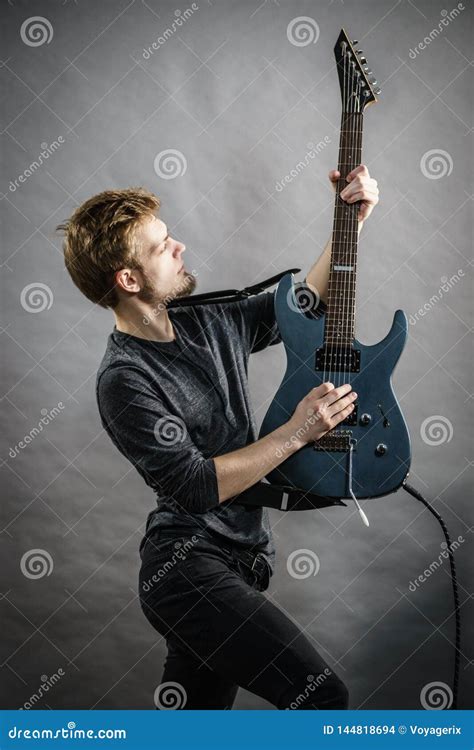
(357, 90)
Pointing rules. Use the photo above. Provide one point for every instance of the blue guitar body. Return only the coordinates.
(377, 429)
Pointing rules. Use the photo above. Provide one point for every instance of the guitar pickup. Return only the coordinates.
(336, 441)
(334, 357)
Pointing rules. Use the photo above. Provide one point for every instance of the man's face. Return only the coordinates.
(164, 276)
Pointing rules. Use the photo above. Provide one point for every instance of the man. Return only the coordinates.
(173, 395)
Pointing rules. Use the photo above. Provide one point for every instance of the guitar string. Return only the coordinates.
(329, 346)
(351, 212)
(358, 147)
(352, 218)
(345, 225)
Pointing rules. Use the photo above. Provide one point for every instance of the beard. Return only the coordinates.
(149, 294)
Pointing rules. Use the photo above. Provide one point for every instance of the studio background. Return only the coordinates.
(238, 101)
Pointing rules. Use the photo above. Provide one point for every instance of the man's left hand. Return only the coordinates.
(362, 187)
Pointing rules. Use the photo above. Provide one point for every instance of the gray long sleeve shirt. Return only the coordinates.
(170, 407)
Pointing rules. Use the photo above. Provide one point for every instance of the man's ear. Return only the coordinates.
(128, 279)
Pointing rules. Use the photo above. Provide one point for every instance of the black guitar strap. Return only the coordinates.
(262, 493)
(228, 295)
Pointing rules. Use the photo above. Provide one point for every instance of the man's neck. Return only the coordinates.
(157, 328)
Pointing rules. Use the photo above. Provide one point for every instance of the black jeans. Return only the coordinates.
(205, 598)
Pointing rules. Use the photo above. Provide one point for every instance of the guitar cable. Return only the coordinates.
(351, 491)
(457, 646)
(412, 491)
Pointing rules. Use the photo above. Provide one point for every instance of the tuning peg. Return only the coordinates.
(363, 60)
(360, 51)
(373, 82)
(378, 91)
(355, 41)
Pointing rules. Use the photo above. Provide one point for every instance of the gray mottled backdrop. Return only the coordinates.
(94, 92)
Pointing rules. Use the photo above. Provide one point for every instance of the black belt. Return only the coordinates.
(258, 565)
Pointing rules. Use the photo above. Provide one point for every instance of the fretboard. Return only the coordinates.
(340, 315)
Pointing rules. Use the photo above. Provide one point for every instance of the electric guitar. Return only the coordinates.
(368, 454)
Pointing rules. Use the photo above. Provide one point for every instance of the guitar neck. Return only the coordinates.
(340, 315)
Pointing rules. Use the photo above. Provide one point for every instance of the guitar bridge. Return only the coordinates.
(337, 357)
(336, 441)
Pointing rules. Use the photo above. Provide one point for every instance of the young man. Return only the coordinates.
(173, 395)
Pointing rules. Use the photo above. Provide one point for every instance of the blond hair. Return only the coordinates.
(100, 240)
